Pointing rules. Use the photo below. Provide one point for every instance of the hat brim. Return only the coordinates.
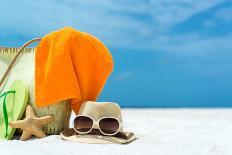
(121, 138)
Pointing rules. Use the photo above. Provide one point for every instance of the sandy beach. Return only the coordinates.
(159, 131)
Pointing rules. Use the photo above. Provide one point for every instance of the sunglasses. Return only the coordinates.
(106, 125)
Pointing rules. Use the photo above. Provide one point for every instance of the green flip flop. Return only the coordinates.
(12, 106)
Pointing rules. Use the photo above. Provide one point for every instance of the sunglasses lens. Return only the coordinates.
(83, 123)
(109, 125)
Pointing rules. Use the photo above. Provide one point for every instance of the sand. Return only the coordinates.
(159, 132)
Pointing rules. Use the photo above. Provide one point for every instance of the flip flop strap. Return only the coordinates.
(5, 113)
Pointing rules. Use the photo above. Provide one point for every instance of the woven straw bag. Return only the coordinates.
(18, 64)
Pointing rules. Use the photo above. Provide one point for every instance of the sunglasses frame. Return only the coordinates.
(96, 124)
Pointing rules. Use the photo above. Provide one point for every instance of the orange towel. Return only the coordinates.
(70, 64)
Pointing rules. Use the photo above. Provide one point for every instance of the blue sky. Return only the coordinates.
(166, 53)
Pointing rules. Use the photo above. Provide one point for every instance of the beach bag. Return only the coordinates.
(19, 64)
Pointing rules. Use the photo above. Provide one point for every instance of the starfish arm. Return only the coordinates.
(44, 120)
(29, 112)
(17, 124)
(39, 133)
(25, 136)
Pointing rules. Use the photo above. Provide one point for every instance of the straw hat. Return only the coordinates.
(96, 111)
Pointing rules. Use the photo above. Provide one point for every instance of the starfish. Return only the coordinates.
(31, 125)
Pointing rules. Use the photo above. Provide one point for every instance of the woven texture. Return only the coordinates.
(24, 70)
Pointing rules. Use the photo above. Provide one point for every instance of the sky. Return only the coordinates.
(167, 53)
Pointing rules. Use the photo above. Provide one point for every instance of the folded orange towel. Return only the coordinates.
(70, 64)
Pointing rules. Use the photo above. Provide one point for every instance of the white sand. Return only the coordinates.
(159, 131)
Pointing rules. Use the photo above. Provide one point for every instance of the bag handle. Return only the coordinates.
(15, 58)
